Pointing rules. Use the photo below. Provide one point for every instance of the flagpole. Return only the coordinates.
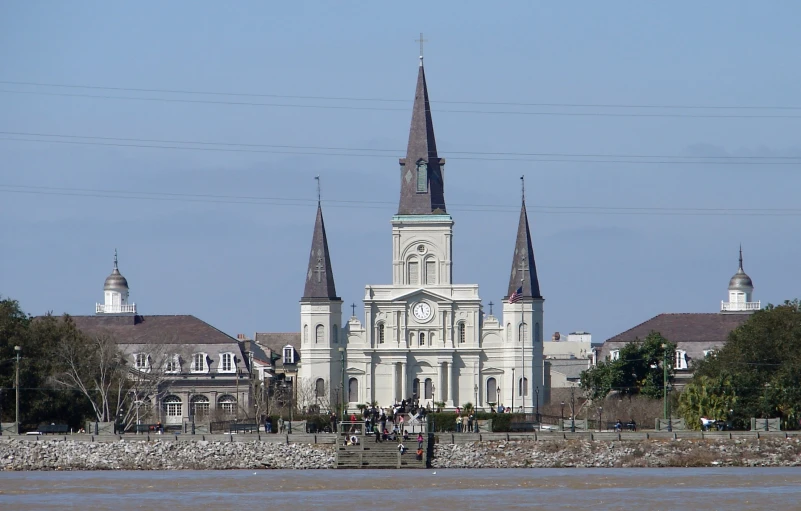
(523, 383)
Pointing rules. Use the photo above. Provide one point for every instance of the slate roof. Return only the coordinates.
(275, 341)
(686, 327)
(524, 269)
(136, 329)
(422, 148)
(320, 275)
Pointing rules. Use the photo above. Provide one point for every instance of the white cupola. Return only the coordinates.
(115, 291)
(741, 289)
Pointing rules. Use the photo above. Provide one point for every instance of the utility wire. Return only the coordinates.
(370, 108)
(386, 100)
(393, 151)
(200, 147)
(484, 208)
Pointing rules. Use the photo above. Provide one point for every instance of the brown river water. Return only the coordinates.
(389, 490)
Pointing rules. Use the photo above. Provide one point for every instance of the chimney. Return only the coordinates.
(556, 337)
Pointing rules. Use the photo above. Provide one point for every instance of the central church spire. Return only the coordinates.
(422, 185)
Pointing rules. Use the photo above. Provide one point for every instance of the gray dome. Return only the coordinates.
(741, 282)
(115, 282)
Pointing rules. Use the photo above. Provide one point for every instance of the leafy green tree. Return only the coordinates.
(762, 360)
(713, 398)
(639, 369)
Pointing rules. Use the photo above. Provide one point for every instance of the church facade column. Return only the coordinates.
(438, 392)
(450, 384)
(394, 383)
(404, 382)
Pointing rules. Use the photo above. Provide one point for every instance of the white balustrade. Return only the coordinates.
(101, 308)
(740, 306)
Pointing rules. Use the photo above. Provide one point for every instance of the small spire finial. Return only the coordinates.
(317, 178)
(115, 258)
(421, 41)
(741, 256)
(523, 187)
(490, 306)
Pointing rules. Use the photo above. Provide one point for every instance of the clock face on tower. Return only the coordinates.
(422, 311)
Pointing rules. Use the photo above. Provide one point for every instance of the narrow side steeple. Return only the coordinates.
(524, 269)
(319, 276)
(422, 184)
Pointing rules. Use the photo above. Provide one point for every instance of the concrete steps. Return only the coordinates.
(379, 455)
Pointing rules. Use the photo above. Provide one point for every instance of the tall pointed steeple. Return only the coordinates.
(524, 269)
(319, 276)
(422, 185)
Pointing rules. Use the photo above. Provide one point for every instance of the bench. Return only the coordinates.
(53, 429)
(146, 428)
(243, 427)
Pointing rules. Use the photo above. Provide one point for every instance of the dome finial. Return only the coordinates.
(421, 41)
(115, 258)
(523, 187)
(741, 256)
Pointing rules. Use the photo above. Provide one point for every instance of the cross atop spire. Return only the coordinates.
(523, 187)
(115, 258)
(320, 275)
(422, 184)
(317, 178)
(421, 41)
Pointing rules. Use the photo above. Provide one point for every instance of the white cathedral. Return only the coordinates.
(424, 336)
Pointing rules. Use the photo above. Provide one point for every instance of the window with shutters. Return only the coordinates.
(431, 272)
(319, 335)
(462, 333)
(414, 272)
(381, 333)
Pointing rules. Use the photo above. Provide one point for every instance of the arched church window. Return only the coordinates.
(353, 390)
(319, 336)
(462, 333)
(335, 335)
(431, 271)
(305, 334)
(522, 332)
(522, 387)
(414, 272)
(508, 332)
(429, 388)
(319, 388)
(492, 390)
(380, 333)
(422, 339)
(537, 335)
(416, 388)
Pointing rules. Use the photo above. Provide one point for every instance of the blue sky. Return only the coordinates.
(240, 266)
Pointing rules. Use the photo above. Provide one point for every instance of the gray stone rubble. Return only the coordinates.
(773, 452)
(161, 455)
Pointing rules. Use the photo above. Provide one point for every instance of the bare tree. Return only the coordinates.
(116, 378)
(313, 396)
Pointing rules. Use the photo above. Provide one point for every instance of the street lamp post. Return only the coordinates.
(600, 415)
(475, 388)
(537, 393)
(342, 379)
(572, 409)
(192, 410)
(498, 391)
(562, 417)
(665, 386)
(17, 349)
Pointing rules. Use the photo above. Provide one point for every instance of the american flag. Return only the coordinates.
(516, 295)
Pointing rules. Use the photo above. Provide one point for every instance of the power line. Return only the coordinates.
(387, 100)
(393, 151)
(201, 146)
(370, 108)
(484, 208)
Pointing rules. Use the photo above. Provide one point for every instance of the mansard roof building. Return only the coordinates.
(696, 335)
(202, 371)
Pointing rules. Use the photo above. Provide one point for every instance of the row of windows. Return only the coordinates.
(522, 332)
(420, 338)
(319, 334)
(680, 362)
(413, 276)
(494, 392)
(199, 363)
(199, 405)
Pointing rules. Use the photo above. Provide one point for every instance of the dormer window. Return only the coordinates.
(199, 363)
(289, 355)
(614, 355)
(681, 359)
(173, 365)
(142, 362)
(226, 363)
